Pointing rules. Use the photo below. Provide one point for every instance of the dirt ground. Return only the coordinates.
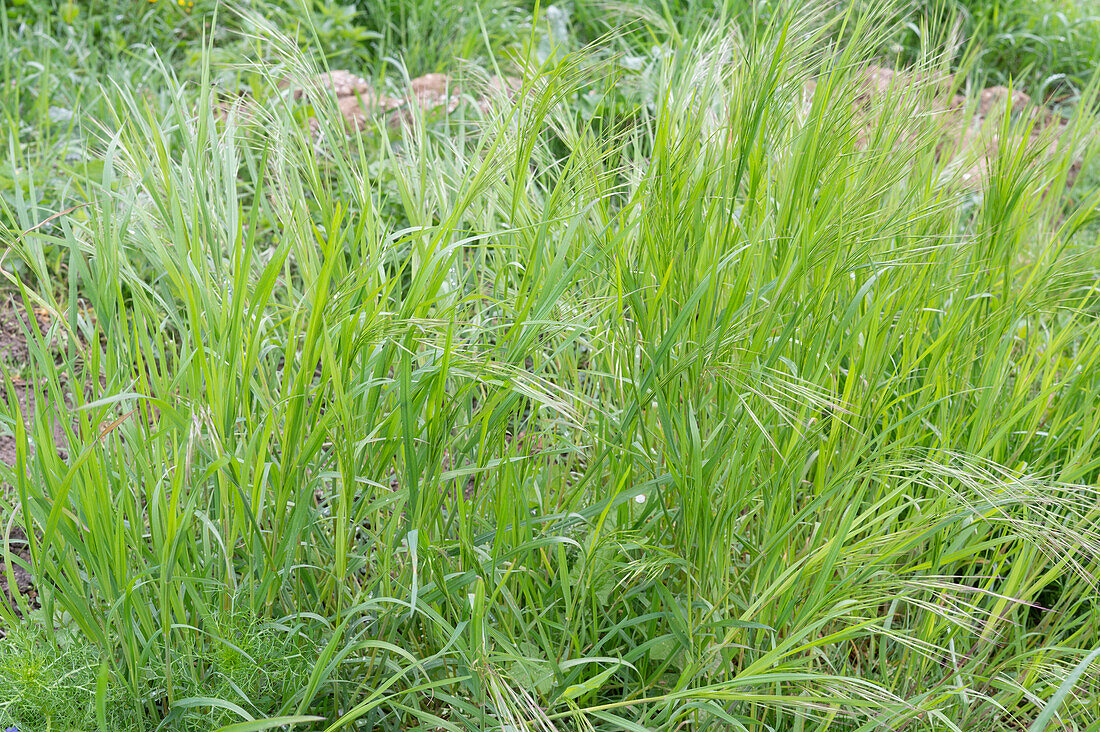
(14, 354)
(24, 582)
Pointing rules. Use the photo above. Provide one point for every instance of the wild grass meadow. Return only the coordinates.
(666, 375)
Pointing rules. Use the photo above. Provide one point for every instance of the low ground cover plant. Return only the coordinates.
(665, 391)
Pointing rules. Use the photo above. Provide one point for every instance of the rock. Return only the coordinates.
(993, 100)
(964, 128)
(498, 90)
(356, 99)
(432, 90)
(359, 102)
(427, 93)
(358, 109)
(343, 83)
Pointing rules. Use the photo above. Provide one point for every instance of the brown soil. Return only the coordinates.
(13, 346)
(14, 353)
(7, 442)
(24, 582)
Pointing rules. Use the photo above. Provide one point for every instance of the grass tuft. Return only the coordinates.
(691, 386)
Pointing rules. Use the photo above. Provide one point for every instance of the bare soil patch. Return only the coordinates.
(14, 577)
(17, 547)
(14, 355)
(13, 346)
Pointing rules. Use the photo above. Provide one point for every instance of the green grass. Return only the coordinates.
(654, 401)
(1049, 47)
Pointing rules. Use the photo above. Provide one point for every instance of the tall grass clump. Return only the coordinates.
(705, 399)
